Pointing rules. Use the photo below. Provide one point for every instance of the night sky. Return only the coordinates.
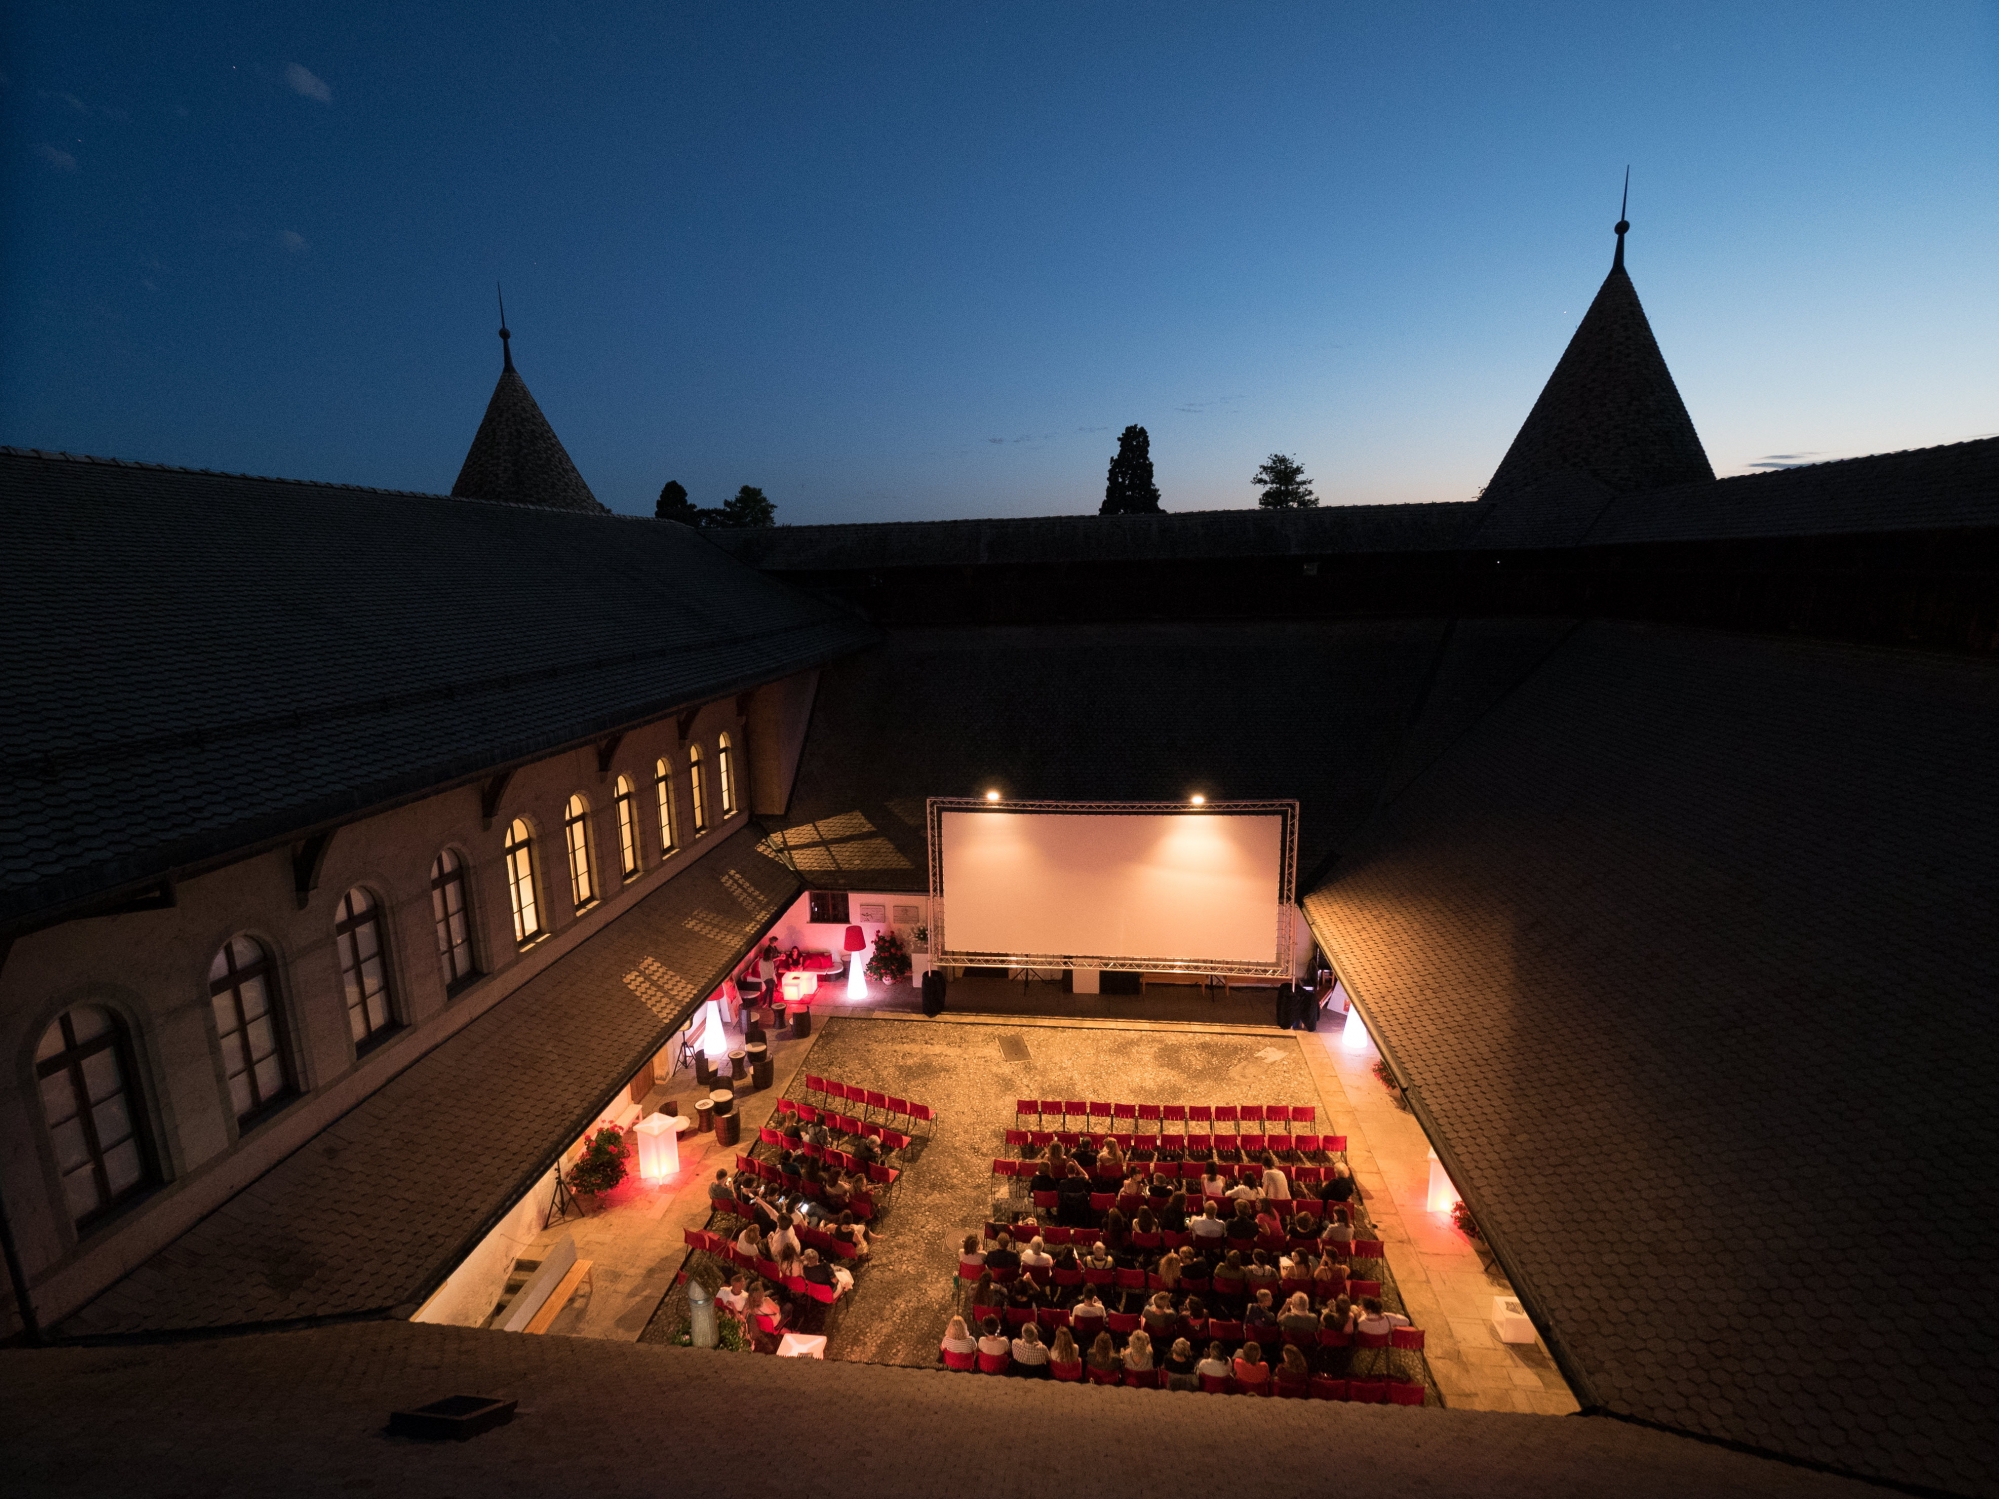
(905, 261)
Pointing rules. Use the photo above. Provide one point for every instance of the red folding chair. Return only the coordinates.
(1016, 1137)
(1368, 1391)
(1304, 1113)
(1305, 1144)
(1124, 1324)
(1325, 1387)
(1250, 1112)
(1172, 1142)
(1123, 1111)
(1293, 1387)
(1053, 1317)
(1372, 1342)
(1333, 1144)
(1367, 1249)
(1051, 1108)
(1099, 1110)
(1026, 1106)
(1359, 1288)
(808, 1113)
(1065, 1373)
(1225, 1113)
(1405, 1391)
(922, 1113)
(1019, 1316)
(994, 1363)
(1041, 1137)
(1106, 1376)
(1066, 1278)
(1200, 1145)
(1054, 1233)
(1217, 1384)
(787, 1106)
(1045, 1201)
(1074, 1107)
(1102, 1202)
(1099, 1277)
(1405, 1340)
(1224, 1330)
(1142, 1379)
(1276, 1113)
(1005, 1165)
(898, 1106)
(1335, 1337)
(1278, 1145)
(1173, 1113)
(815, 1085)
(963, 1363)
(1129, 1280)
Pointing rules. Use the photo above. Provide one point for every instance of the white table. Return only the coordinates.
(1510, 1321)
(801, 1345)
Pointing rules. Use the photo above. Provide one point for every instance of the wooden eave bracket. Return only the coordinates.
(308, 858)
(489, 798)
(686, 723)
(605, 751)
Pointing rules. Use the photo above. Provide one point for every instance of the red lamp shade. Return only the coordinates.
(856, 939)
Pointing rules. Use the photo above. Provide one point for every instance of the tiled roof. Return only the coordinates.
(1609, 418)
(1312, 709)
(1186, 535)
(360, 1221)
(199, 663)
(1686, 949)
(1954, 487)
(516, 457)
(302, 1413)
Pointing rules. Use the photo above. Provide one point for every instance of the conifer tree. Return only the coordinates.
(1284, 485)
(673, 505)
(1128, 489)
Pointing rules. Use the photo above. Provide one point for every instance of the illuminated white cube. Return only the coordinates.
(1443, 1193)
(659, 1146)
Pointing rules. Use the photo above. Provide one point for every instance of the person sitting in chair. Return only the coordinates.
(1180, 1367)
(1030, 1354)
(1159, 1316)
(734, 1298)
(1003, 1256)
(957, 1338)
(818, 1273)
(1208, 1228)
(1036, 1256)
(1250, 1370)
(1374, 1321)
(751, 1243)
(991, 1340)
(1297, 1315)
(1087, 1315)
(1260, 1313)
(1103, 1354)
(1215, 1365)
(1064, 1354)
(1138, 1352)
(720, 1193)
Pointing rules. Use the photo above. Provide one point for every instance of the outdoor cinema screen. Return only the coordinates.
(1172, 888)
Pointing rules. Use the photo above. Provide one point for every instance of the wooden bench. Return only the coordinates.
(559, 1297)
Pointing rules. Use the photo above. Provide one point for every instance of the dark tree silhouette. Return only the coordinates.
(1284, 485)
(747, 507)
(673, 505)
(1129, 489)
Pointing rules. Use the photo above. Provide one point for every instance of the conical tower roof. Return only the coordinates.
(515, 454)
(1610, 420)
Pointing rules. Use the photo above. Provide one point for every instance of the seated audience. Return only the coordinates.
(1328, 1276)
(1159, 1316)
(1213, 1183)
(1249, 1369)
(848, 1231)
(1297, 1315)
(720, 1192)
(1215, 1365)
(1088, 1313)
(1374, 1321)
(1275, 1183)
(987, 1293)
(1173, 1217)
(1340, 1184)
(1117, 1236)
(1229, 1279)
(1245, 1189)
(971, 1257)
(1180, 1366)
(1063, 1354)
(764, 1306)
(1305, 1225)
(1036, 1256)
(1294, 1369)
(1003, 1256)
(992, 1340)
(817, 1272)
(734, 1298)
(958, 1338)
(1207, 1228)
(1338, 1317)
(751, 1243)
(1259, 1272)
(1241, 1226)
(1169, 1270)
(1103, 1354)
(1030, 1354)
(1138, 1352)
(1339, 1229)
(1259, 1312)
(1270, 1222)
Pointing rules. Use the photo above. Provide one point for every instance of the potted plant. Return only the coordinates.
(890, 962)
(602, 1164)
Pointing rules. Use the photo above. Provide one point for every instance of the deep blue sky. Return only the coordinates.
(904, 261)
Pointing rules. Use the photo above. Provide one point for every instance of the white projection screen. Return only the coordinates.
(1163, 887)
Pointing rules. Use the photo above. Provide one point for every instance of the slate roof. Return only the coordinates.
(1313, 709)
(515, 455)
(198, 664)
(358, 1221)
(1609, 421)
(1685, 948)
(301, 1413)
(1193, 535)
(1955, 487)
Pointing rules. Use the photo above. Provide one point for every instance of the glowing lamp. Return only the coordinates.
(857, 976)
(992, 796)
(659, 1146)
(1198, 800)
(1443, 1195)
(714, 1039)
(1353, 1035)
(798, 986)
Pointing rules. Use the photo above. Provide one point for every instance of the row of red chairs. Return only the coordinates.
(1162, 1114)
(1133, 1279)
(1229, 1331)
(869, 1098)
(878, 1175)
(721, 1244)
(1197, 1146)
(1287, 1387)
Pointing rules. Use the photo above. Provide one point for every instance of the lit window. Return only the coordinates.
(662, 785)
(520, 882)
(628, 827)
(243, 990)
(85, 1068)
(451, 910)
(726, 769)
(697, 780)
(576, 838)
(364, 974)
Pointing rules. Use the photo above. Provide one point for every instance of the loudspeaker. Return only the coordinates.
(1287, 1006)
(935, 990)
(1310, 1002)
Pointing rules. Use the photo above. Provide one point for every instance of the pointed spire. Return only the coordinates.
(1610, 420)
(515, 455)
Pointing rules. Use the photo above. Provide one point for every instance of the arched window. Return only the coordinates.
(576, 837)
(662, 785)
(628, 827)
(364, 971)
(520, 882)
(90, 1101)
(726, 770)
(243, 989)
(697, 781)
(451, 909)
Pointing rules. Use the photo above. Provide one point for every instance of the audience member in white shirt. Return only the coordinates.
(1036, 1257)
(1030, 1354)
(1274, 1183)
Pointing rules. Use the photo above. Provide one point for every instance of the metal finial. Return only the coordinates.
(506, 348)
(1623, 224)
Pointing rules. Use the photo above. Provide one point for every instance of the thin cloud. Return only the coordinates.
(1784, 460)
(995, 439)
(305, 81)
(59, 159)
(1093, 429)
(292, 240)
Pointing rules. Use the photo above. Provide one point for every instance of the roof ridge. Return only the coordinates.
(1792, 468)
(1091, 515)
(54, 455)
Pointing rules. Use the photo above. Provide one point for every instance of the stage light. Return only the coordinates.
(1353, 1035)
(992, 796)
(1198, 800)
(857, 974)
(714, 1039)
(1443, 1195)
